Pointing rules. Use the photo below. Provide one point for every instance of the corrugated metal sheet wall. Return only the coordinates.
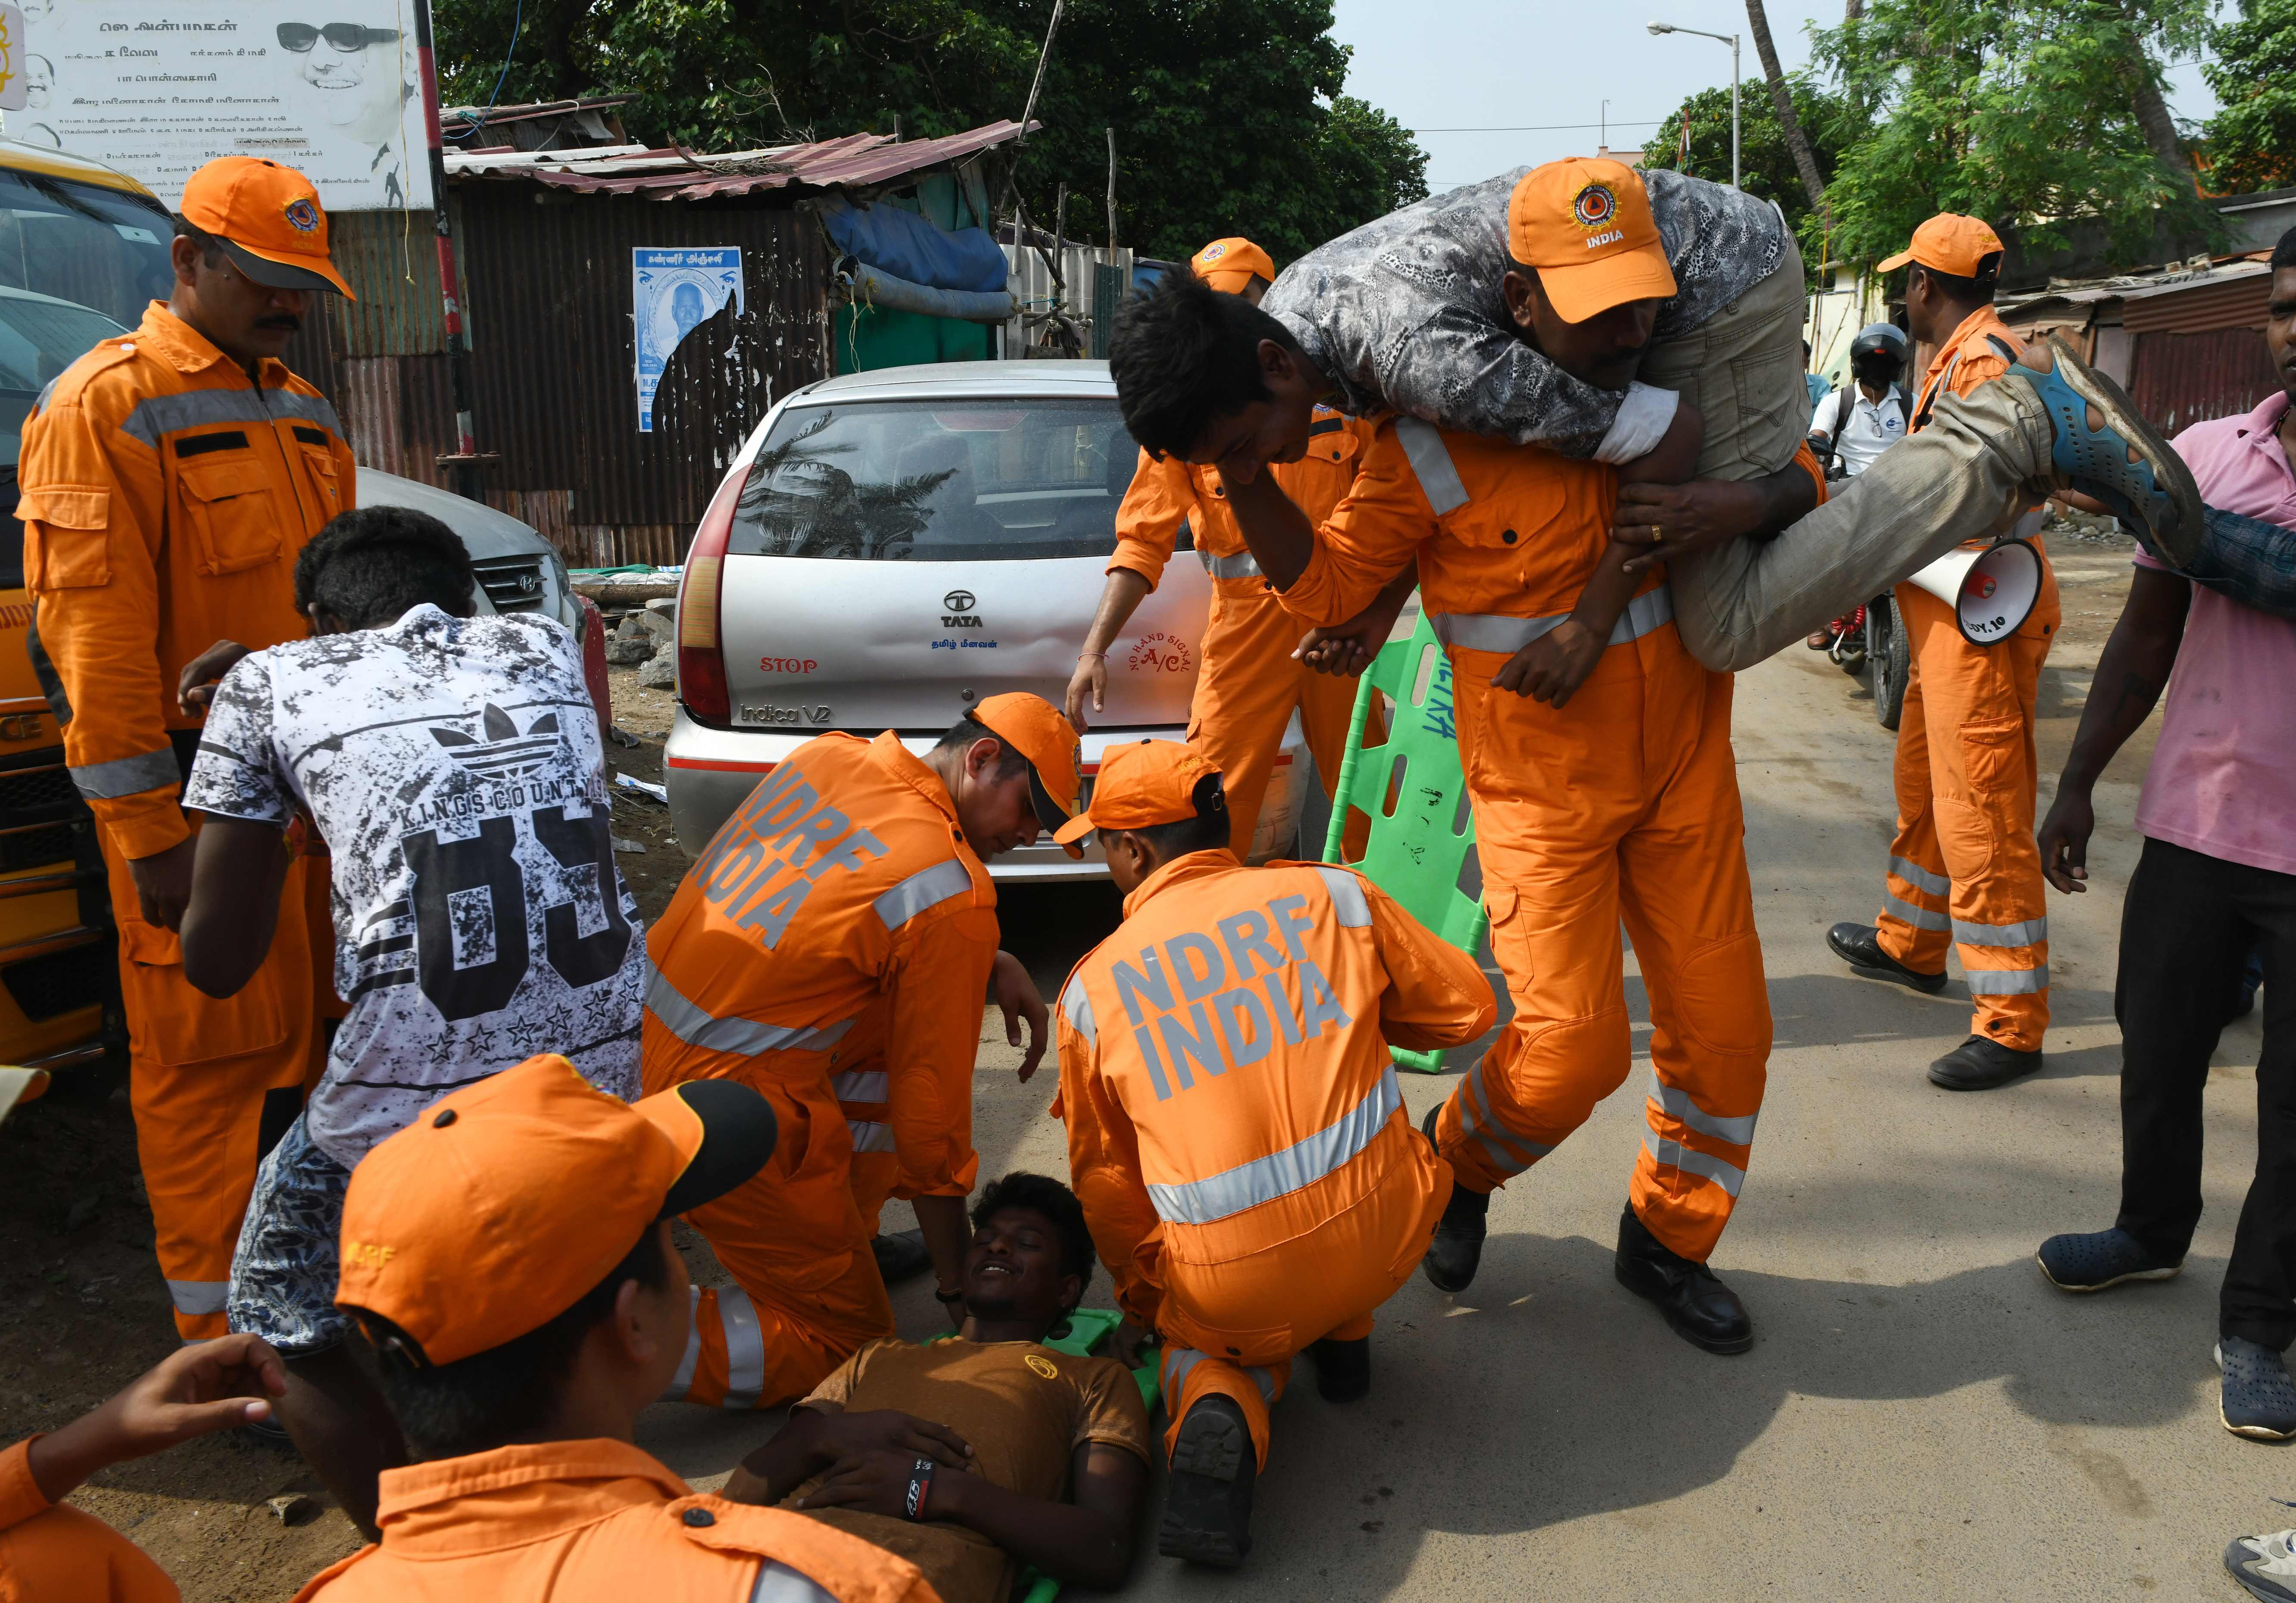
(547, 298)
(2180, 380)
(554, 351)
(2230, 303)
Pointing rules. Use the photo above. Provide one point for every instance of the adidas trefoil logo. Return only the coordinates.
(504, 754)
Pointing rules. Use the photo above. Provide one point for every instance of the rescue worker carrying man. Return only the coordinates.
(832, 947)
(1248, 681)
(1964, 868)
(1236, 1132)
(169, 479)
(1622, 802)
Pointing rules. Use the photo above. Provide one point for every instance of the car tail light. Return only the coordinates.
(701, 663)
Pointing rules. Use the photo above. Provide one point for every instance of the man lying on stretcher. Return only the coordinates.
(973, 1456)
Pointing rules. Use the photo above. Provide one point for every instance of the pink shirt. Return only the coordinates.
(2223, 779)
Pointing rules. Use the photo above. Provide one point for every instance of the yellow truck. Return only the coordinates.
(82, 248)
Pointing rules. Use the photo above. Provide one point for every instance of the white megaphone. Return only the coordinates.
(1991, 592)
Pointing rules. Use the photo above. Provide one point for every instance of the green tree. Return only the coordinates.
(1230, 115)
(2029, 113)
(2252, 141)
(1766, 160)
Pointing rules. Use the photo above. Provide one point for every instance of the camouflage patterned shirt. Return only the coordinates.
(1405, 313)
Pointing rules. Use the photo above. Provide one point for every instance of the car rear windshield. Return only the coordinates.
(937, 481)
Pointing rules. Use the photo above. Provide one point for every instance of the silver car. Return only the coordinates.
(891, 548)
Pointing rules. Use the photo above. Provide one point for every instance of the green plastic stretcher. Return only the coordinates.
(1413, 790)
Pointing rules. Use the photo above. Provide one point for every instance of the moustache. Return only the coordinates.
(280, 321)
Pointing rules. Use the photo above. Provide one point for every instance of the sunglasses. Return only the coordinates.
(300, 37)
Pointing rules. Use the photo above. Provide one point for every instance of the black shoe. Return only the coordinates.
(1342, 1368)
(1208, 1499)
(1457, 1250)
(1860, 946)
(1703, 1309)
(901, 1255)
(1980, 1064)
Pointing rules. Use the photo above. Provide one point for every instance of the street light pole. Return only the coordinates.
(1730, 39)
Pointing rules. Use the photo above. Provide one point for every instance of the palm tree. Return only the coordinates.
(1781, 96)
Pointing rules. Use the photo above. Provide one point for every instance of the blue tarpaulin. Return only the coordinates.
(912, 248)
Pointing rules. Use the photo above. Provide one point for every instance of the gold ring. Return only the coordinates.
(1657, 534)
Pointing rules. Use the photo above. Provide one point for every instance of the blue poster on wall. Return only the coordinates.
(672, 292)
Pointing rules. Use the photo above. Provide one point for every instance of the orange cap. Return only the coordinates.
(1141, 786)
(1230, 264)
(1586, 225)
(1034, 727)
(505, 1204)
(1949, 242)
(270, 221)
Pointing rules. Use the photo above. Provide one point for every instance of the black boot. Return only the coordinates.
(1860, 946)
(1980, 1064)
(900, 1256)
(1342, 1368)
(1207, 1500)
(1703, 1309)
(1457, 1249)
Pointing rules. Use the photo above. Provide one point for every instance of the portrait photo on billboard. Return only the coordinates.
(328, 86)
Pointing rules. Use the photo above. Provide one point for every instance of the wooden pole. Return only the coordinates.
(1111, 192)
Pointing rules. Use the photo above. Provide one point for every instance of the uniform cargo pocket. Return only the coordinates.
(234, 513)
(324, 479)
(1993, 753)
(69, 545)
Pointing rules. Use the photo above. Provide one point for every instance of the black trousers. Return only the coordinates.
(2187, 930)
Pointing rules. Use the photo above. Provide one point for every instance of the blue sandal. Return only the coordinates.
(2156, 496)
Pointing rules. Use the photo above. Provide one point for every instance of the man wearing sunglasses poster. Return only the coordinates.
(354, 78)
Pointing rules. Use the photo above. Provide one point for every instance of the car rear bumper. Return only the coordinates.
(710, 771)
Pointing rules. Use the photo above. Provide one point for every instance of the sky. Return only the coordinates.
(1592, 53)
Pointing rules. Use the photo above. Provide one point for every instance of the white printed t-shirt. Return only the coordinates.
(453, 767)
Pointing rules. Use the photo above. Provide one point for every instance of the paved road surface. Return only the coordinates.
(1922, 1416)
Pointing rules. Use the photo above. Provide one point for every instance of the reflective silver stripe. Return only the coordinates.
(1920, 878)
(164, 414)
(1181, 1361)
(1240, 565)
(1738, 1131)
(1494, 632)
(1347, 896)
(1431, 460)
(1689, 1160)
(1280, 1173)
(198, 1297)
(745, 1347)
(746, 1037)
(927, 887)
(1920, 918)
(682, 1382)
(2032, 932)
(1475, 1116)
(861, 1085)
(869, 1136)
(128, 776)
(2006, 982)
(779, 1584)
(1077, 1007)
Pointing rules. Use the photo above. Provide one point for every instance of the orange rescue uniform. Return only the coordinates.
(831, 948)
(1236, 1132)
(597, 1519)
(1247, 682)
(1964, 868)
(1623, 804)
(51, 1551)
(165, 500)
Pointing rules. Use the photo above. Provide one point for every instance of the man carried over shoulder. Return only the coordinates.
(972, 1456)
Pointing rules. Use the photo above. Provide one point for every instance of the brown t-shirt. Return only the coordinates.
(1025, 1409)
